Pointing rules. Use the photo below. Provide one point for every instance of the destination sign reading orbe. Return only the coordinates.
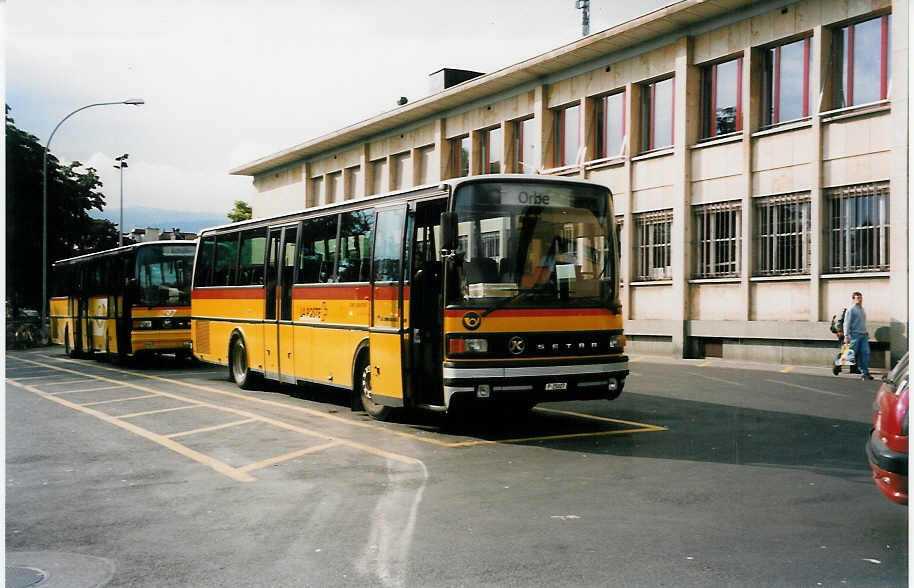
(530, 195)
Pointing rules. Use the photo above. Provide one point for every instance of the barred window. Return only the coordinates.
(859, 227)
(491, 243)
(717, 235)
(653, 245)
(784, 234)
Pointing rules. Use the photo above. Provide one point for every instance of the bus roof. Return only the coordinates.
(125, 249)
(443, 186)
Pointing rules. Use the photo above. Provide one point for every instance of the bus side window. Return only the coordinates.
(251, 256)
(318, 246)
(204, 262)
(225, 260)
(355, 242)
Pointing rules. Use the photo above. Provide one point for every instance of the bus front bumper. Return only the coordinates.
(161, 340)
(537, 383)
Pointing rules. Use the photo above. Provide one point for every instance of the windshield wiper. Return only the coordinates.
(507, 301)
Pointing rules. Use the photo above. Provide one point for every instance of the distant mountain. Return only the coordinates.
(143, 216)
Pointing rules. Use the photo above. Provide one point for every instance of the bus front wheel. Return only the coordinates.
(239, 372)
(363, 388)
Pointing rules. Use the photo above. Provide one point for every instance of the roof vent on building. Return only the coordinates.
(446, 77)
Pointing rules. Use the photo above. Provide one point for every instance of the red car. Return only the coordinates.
(887, 447)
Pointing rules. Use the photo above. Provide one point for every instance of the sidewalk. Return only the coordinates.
(748, 365)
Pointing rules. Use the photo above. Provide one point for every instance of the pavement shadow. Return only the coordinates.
(695, 431)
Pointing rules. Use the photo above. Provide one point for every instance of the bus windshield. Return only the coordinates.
(163, 275)
(525, 244)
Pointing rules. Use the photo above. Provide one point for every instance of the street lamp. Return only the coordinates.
(44, 210)
(121, 164)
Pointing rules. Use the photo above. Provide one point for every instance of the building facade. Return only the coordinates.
(757, 153)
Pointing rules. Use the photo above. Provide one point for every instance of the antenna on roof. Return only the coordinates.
(584, 6)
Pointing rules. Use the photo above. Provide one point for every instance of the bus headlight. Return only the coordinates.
(142, 324)
(462, 345)
(617, 341)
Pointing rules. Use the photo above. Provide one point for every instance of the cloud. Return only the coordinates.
(167, 186)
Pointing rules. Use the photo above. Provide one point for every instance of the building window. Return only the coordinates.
(352, 184)
(380, 177)
(861, 62)
(317, 188)
(721, 98)
(859, 228)
(424, 164)
(653, 230)
(524, 147)
(334, 187)
(610, 116)
(491, 245)
(567, 135)
(657, 115)
(460, 157)
(402, 168)
(717, 236)
(784, 234)
(785, 83)
(491, 151)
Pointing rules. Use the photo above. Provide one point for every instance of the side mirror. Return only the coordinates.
(449, 230)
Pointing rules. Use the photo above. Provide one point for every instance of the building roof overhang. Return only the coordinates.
(677, 17)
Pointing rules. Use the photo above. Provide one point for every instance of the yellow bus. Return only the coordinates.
(503, 288)
(125, 301)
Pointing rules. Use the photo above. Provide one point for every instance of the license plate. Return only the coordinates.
(557, 386)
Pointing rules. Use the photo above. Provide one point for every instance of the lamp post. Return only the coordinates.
(121, 164)
(44, 209)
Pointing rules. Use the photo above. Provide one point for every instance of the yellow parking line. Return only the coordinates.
(279, 424)
(599, 418)
(215, 464)
(136, 414)
(287, 456)
(213, 428)
(317, 413)
(118, 400)
(787, 369)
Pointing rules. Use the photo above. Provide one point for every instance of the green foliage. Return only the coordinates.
(242, 211)
(72, 193)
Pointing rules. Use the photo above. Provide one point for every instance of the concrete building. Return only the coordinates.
(757, 153)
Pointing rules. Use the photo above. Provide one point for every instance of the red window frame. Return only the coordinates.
(560, 155)
(775, 96)
(651, 115)
(487, 149)
(883, 59)
(456, 144)
(709, 115)
(604, 102)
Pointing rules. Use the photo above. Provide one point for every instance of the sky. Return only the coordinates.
(229, 81)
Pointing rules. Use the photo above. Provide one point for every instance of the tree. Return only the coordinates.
(72, 193)
(242, 211)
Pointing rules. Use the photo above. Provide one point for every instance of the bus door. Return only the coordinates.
(277, 331)
(386, 330)
(80, 309)
(426, 304)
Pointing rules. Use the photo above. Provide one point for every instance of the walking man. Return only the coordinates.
(855, 334)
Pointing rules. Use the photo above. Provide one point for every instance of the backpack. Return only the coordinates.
(837, 322)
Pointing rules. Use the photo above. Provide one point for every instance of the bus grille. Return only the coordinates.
(201, 345)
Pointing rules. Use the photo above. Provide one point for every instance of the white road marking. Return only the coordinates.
(806, 388)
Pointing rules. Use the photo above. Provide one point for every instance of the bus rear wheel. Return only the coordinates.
(363, 389)
(239, 372)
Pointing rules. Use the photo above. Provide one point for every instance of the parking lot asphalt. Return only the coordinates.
(701, 473)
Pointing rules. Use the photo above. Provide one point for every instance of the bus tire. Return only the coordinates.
(239, 372)
(363, 389)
